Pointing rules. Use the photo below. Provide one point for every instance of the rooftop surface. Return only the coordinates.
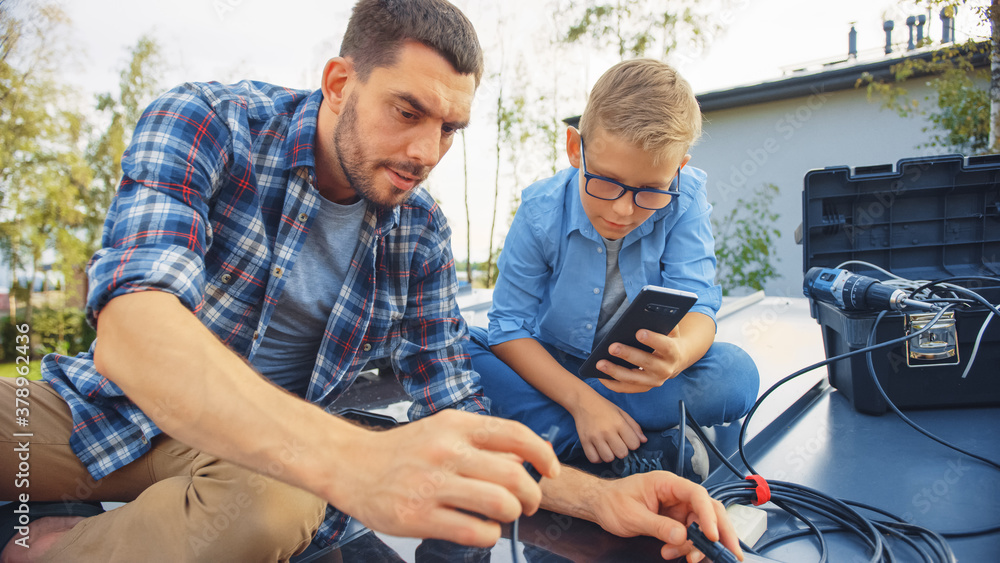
(806, 432)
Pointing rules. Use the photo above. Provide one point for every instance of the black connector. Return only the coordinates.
(713, 550)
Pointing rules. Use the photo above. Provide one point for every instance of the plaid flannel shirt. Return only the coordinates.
(215, 202)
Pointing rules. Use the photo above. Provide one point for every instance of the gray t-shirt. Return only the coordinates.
(287, 352)
(614, 302)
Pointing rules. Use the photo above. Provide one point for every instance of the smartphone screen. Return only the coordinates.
(657, 309)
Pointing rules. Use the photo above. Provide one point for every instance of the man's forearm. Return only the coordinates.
(574, 493)
(201, 393)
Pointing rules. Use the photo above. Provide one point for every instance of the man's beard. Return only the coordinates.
(359, 170)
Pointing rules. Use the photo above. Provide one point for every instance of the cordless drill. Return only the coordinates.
(853, 292)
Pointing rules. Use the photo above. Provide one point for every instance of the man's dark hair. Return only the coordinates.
(378, 28)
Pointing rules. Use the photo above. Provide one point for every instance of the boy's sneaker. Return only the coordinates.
(660, 453)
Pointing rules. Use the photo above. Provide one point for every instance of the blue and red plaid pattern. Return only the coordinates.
(214, 205)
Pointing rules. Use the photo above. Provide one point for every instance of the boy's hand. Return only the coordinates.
(672, 354)
(606, 431)
(654, 368)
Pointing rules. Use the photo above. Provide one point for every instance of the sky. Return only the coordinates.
(288, 43)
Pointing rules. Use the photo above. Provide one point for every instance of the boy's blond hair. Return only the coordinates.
(646, 103)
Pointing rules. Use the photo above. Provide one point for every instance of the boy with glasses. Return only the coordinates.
(581, 246)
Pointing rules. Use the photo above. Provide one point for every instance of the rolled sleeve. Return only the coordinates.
(157, 229)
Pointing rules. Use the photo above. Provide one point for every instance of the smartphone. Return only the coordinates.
(368, 418)
(657, 309)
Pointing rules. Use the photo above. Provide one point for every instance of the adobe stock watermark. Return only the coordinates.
(710, 32)
(224, 7)
(802, 454)
(223, 516)
(933, 492)
(423, 493)
(758, 156)
(765, 319)
(546, 537)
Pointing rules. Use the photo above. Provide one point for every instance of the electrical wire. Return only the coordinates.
(807, 369)
(976, 298)
(975, 348)
(799, 500)
(930, 546)
(514, 556)
(682, 417)
(872, 533)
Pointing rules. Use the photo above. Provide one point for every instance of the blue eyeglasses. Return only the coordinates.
(610, 190)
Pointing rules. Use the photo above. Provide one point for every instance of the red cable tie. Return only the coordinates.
(763, 491)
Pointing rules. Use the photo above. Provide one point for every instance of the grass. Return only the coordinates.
(10, 370)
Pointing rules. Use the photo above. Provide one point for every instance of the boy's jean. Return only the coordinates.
(720, 387)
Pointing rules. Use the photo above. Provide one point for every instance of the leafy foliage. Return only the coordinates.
(137, 86)
(57, 175)
(958, 112)
(745, 242)
(62, 330)
(634, 27)
(42, 168)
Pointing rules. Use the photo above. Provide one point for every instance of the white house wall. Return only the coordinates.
(778, 142)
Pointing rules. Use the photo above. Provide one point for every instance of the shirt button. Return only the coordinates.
(303, 217)
(277, 271)
(144, 440)
(600, 250)
(597, 290)
(256, 335)
(226, 278)
(367, 347)
(589, 326)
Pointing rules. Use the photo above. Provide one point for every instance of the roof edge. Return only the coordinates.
(819, 82)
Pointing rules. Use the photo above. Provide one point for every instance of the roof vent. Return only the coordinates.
(947, 24)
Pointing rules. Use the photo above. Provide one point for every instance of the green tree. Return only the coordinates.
(136, 88)
(57, 178)
(634, 27)
(961, 115)
(41, 139)
(745, 242)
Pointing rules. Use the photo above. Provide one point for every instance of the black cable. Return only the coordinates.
(785, 494)
(682, 412)
(514, 558)
(899, 413)
(963, 290)
(756, 405)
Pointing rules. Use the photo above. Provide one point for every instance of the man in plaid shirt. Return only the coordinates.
(263, 231)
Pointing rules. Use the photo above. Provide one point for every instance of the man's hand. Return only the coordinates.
(417, 479)
(661, 504)
(606, 431)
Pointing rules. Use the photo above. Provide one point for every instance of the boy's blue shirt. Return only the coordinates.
(553, 264)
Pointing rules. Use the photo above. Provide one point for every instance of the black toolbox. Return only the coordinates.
(926, 219)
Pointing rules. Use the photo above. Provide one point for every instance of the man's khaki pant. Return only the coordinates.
(183, 505)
